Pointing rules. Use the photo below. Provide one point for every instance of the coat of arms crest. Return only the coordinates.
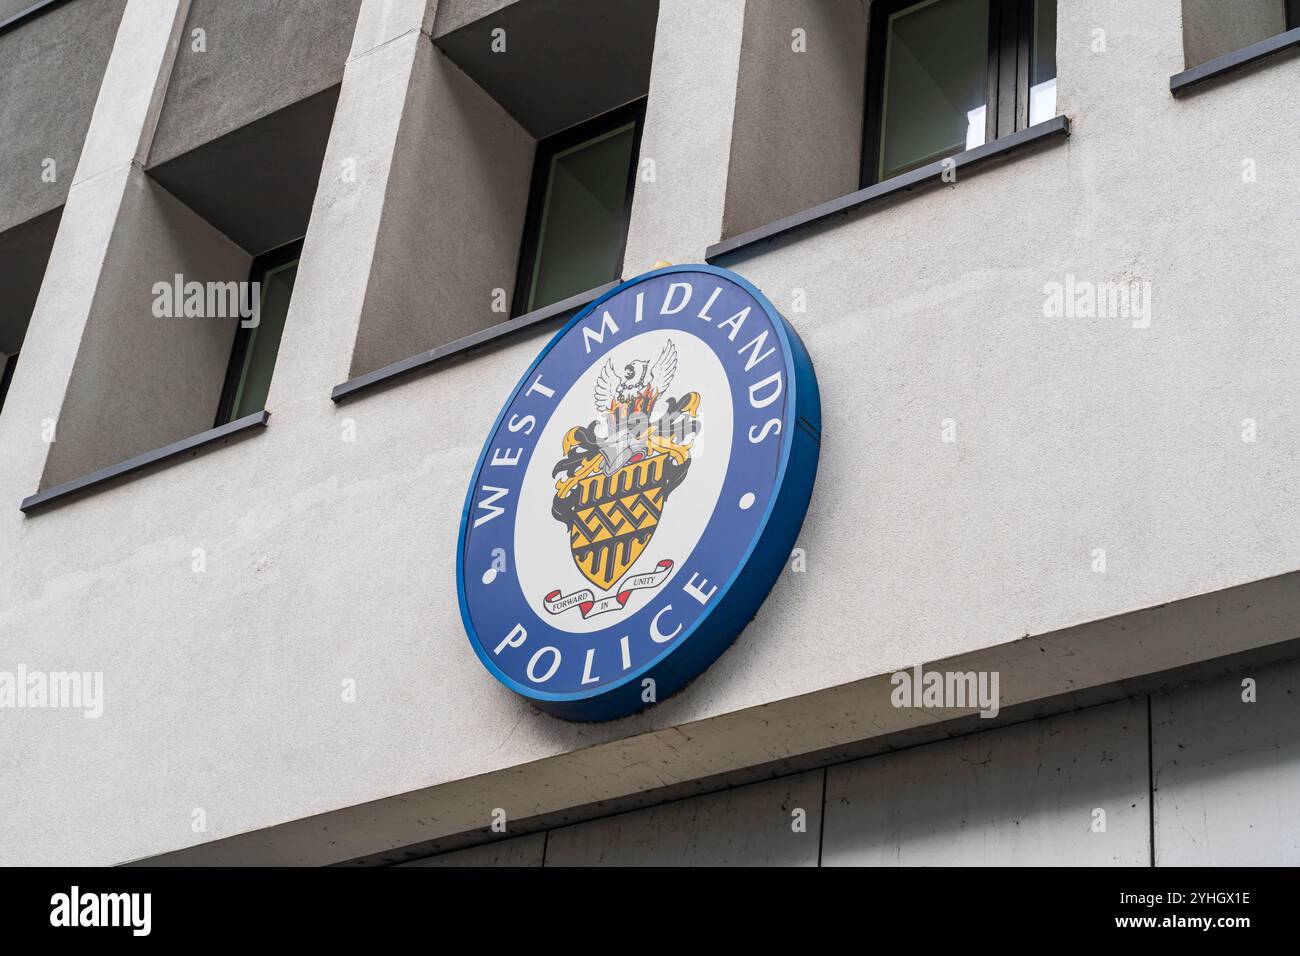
(616, 475)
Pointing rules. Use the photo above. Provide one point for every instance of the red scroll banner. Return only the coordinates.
(590, 605)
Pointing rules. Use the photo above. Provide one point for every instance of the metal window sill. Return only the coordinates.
(131, 466)
(29, 12)
(432, 359)
(1057, 126)
(1180, 83)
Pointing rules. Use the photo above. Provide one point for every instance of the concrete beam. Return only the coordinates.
(831, 725)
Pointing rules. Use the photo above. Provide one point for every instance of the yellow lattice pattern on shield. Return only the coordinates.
(615, 519)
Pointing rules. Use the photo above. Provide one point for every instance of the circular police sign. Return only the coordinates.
(639, 493)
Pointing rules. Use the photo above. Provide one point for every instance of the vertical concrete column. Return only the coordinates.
(694, 76)
(342, 236)
(417, 178)
(453, 213)
(117, 140)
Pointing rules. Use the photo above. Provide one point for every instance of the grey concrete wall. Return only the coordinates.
(330, 560)
(141, 382)
(453, 217)
(777, 823)
(1227, 771)
(1033, 794)
(50, 70)
(797, 131)
(258, 58)
(1212, 28)
(256, 184)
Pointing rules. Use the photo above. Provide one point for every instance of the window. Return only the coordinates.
(945, 76)
(252, 358)
(7, 363)
(1215, 28)
(1042, 63)
(578, 208)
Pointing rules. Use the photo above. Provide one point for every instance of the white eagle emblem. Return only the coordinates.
(626, 402)
(639, 385)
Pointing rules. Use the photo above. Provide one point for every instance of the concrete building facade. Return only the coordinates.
(1058, 370)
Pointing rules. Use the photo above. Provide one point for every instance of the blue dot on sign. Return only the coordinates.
(746, 501)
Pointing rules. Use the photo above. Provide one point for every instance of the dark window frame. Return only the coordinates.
(7, 376)
(262, 264)
(1011, 31)
(546, 150)
(1292, 14)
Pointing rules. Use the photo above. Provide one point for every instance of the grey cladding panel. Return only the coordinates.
(564, 61)
(747, 826)
(50, 70)
(256, 184)
(258, 58)
(1026, 794)
(1227, 771)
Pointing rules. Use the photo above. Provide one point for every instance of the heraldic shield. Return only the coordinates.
(615, 517)
(617, 473)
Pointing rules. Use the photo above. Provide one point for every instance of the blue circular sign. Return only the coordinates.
(639, 493)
